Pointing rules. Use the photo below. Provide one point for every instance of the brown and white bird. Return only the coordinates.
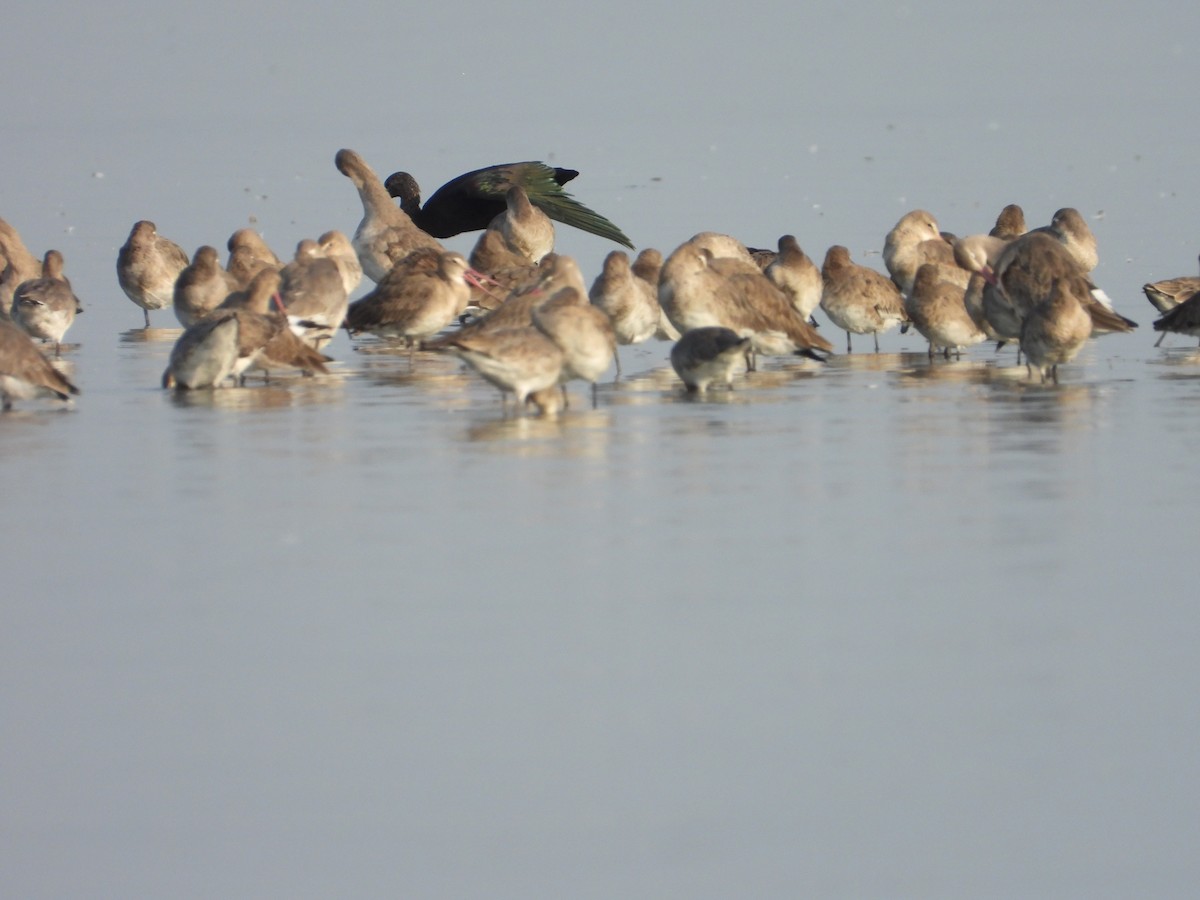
(527, 231)
(1056, 328)
(249, 255)
(386, 234)
(147, 266)
(1167, 294)
(1027, 271)
(583, 332)
(858, 299)
(628, 301)
(1170, 292)
(268, 340)
(912, 242)
(1181, 319)
(1010, 224)
(492, 254)
(698, 290)
(978, 254)
(314, 294)
(937, 308)
(991, 307)
(554, 273)
(17, 264)
(1070, 227)
(794, 273)
(205, 355)
(648, 267)
(723, 246)
(703, 356)
(505, 271)
(243, 333)
(337, 247)
(520, 361)
(421, 295)
(25, 373)
(202, 287)
(45, 307)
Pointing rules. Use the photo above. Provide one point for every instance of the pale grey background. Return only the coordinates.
(884, 631)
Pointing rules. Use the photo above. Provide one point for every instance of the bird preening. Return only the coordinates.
(471, 201)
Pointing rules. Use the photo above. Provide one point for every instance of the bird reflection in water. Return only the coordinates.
(574, 433)
(150, 335)
(278, 393)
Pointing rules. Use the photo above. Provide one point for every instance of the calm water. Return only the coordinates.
(882, 628)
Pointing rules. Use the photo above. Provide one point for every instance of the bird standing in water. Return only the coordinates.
(24, 372)
(45, 307)
(147, 266)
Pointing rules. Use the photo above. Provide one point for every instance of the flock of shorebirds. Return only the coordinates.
(526, 321)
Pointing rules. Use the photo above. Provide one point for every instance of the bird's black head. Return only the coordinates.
(404, 186)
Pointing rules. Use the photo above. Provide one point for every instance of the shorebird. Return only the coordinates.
(938, 310)
(973, 301)
(912, 242)
(266, 339)
(706, 355)
(386, 234)
(1010, 224)
(249, 255)
(630, 302)
(202, 287)
(25, 373)
(205, 355)
(648, 267)
(859, 300)
(796, 275)
(45, 307)
(723, 246)
(526, 230)
(1069, 226)
(1181, 319)
(314, 294)
(554, 273)
(978, 255)
(583, 333)
(697, 290)
(519, 361)
(1026, 272)
(1170, 292)
(505, 271)
(492, 254)
(16, 257)
(416, 299)
(1057, 328)
(1167, 294)
(147, 266)
(471, 201)
(337, 248)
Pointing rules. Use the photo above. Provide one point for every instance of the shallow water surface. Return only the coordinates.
(338, 634)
